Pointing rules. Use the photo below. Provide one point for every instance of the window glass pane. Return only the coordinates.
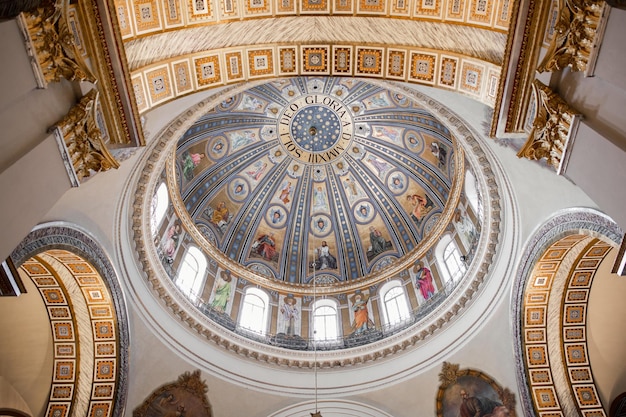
(191, 274)
(160, 201)
(471, 191)
(395, 305)
(452, 261)
(252, 316)
(325, 323)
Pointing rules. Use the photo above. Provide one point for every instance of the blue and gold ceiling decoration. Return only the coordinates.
(333, 174)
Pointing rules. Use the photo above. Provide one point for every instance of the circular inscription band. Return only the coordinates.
(315, 128)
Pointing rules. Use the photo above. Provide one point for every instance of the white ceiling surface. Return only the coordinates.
(489, 348)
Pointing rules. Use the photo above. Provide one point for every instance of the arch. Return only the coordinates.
(254, 311)
(62, 236)
(394, 304)
(331, 408)
(571, 233)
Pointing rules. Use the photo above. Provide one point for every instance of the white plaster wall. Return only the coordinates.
(602, 98)
(29, 188)
(26, 362)
(599, 166)
(31, 172)
(26, 112)
(606, 338)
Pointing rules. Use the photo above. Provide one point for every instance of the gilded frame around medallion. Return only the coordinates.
(478, 385)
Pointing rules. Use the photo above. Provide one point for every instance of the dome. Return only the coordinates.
(308, 190)
(283, 172)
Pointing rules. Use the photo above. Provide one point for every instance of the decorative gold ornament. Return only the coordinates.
(448, 374)
(471, 385)
(575, 34)
(82, 139)
(551, 127)
(185, 397)
(51, 44)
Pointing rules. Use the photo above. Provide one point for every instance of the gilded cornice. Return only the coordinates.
(508, 56)
(525, 42)
(552, 128)
(109, 64)
(52, 32)
(183, 310)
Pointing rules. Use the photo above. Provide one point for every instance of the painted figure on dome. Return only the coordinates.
(363, 211)
(421, 206)
(381, 166)
(222, 292)
(190, 162)
(265, 246)
(377, 241)
(440, 152)
(257, 171)
(290, 312)
(362, 321)
(220, 214)
(285, 192)
(241, 139)
(423, 280)
(389, 133)
(324, 259)
(320, 202)
(172, 237)
(250, 103)
(465, 228)
(397, 183)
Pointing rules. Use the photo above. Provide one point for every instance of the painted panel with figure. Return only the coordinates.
(472, 393)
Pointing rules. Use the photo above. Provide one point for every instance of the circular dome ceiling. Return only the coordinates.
(333, 177)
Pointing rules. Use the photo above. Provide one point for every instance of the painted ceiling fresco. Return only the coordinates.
(333, 176)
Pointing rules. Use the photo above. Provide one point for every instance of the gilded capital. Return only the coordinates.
(575, 33)
(551, 127)
(51, 44)
(82, 139)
